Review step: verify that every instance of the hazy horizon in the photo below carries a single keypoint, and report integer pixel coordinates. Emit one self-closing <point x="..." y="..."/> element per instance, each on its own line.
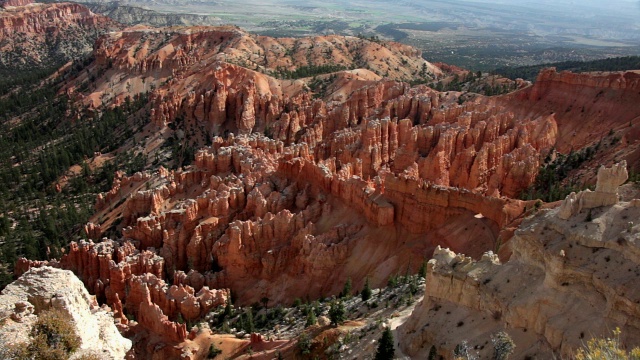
<point x="474" y="33"/>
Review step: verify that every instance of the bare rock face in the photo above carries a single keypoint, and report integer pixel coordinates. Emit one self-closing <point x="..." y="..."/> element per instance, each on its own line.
<point x="609" y="179"/>
<point x="567" y="281"/>
<point x="42" y="34"/>
<point x="578" y="103"/>
<point x="259" y="214"/>
<point x="43" y="288"/>
<point x="233" y="45"/>
<point x="12" y="3"/>
<point x="121" y="184"/>
<point x="152" y="317"/>
<point x="629" y="80"/>
<point x="127" y="279"/>
<point x="291" y="193"/>
<point x="606" y="193"/>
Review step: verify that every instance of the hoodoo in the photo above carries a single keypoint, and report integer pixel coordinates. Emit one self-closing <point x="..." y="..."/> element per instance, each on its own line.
<point x="236" y="174"/>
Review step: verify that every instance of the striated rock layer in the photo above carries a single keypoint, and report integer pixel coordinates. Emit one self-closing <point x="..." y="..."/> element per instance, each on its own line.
<point x="389" y="167"/>
<point x="586" y="106"/>
<point x="43" y="35"/>
<point x="256" y="216"/>
<point x="292" y="192"/>
<point x="10" y="3"/>
<point x="568" y="280"/>
<point x="130" y="280"/>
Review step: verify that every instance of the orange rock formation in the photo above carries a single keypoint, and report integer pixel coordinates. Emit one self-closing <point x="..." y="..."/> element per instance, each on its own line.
<point x="9" y="3"/>
<point x="121" y="274"/>
<point x="295" y="194"/>
<point x="26" y="32"/>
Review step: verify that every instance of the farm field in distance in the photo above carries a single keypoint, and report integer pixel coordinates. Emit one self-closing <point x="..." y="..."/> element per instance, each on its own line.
<point x="480" y="35"/>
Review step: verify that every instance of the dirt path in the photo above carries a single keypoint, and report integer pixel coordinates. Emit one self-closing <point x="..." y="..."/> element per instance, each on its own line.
<point x="397" y="321"/>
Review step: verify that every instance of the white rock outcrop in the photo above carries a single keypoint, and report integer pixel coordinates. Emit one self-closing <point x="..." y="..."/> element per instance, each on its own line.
<point x="43" y="288"/>
<point x="567" y="281"/>
<point x="606" y="193"/>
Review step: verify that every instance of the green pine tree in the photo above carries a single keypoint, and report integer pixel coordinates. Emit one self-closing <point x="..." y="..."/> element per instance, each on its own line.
<point x="228" y="311"/>
<point x="433" y="353"/>
<point x="248" y="323"/>
<point x="311" y="318"/>
<point x="346" y="290"/>
<point x="392" y="282"/>
<point x="304" y="344"/>
<point x="423" y="270"/>
<point x="366" y="291"/>
<point x="337" y="313"/>
<point x="385" y="346"/>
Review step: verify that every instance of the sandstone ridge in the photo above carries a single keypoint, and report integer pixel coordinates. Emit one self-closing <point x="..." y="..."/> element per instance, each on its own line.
<point x="567" y="280"/>
<point x="13" y="3"/>
<point x="298" y="183"/>
<point x="44" y="35"/>
<point x="292" y="192"/>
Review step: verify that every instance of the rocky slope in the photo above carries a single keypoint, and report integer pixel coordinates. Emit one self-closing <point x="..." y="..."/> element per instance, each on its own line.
<point x="573" y="275"/>
<point x="132" y="15"/>
<point x="293" y="190"/>
<point x="41" y="289"/>
<point x="168" y="60"/>
<point x="600" y="102"/>
<point x="114" y="273"/>
<point x="7" y="4"/>
<point x="44" y="35"/>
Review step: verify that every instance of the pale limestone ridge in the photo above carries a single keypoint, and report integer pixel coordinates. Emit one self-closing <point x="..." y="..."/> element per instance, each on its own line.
<point x="606" y="193"/>
<point x="566" y="282"/>
<point x="46" y="287"/>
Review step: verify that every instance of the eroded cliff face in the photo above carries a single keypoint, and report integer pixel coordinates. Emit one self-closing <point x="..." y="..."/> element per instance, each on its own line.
<point x="267" y="210"/>
<point x="12" y="3"/>
<point x="131" y="280"/>
<point x="274" y="217"/>
<point x="160" y="48"/>
<point x="43" y="35"/>
<point x="271" y="220"/>
<point x="216" y="78"/>
<point x="601" y="102"/>
<point x="569" y="279"/>
<point x="289" y="195"/>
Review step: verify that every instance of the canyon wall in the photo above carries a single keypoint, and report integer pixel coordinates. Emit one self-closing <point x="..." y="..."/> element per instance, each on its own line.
<point x="45" y="35"/>
<point x="569" y="279"/>
<point x="126" y="278"/>
<point x="599" y="102"/>
<point x="291" y="193"/>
